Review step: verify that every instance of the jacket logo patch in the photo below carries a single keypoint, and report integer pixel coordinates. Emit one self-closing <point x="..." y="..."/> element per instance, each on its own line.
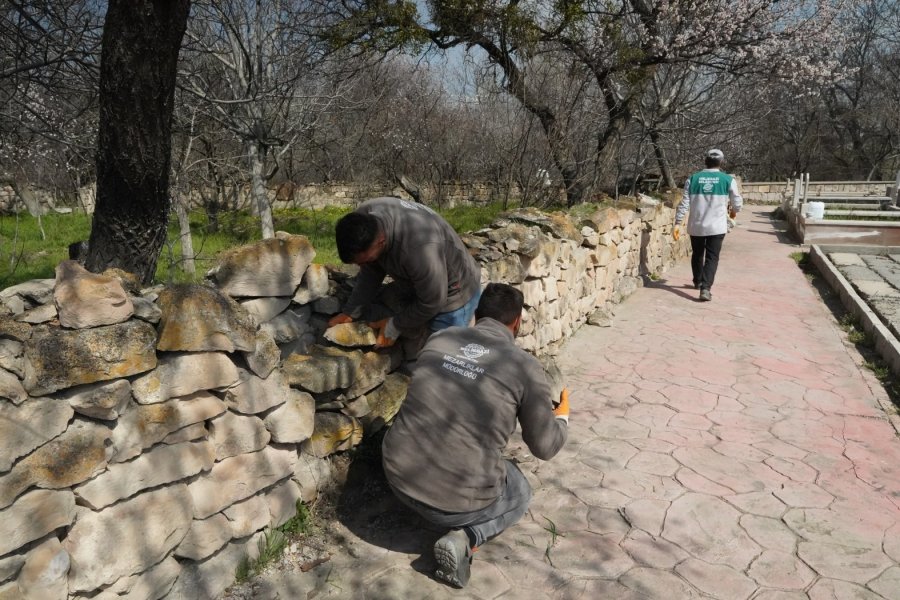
<point x="708" y="187"/>
<point x="474" y="351"/>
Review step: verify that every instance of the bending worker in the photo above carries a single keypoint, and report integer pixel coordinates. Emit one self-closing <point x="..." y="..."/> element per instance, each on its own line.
<point x="440" y="280"/>
<point x="442" y="455"/>
<point x="711" y="196"/>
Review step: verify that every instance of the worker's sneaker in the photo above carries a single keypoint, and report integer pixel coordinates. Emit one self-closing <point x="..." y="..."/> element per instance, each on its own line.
<point x="705" y="295"/>
<point x="454" y="558"/>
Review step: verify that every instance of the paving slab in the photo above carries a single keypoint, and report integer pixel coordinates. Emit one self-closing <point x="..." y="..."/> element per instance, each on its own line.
<point x="728" y="449"/>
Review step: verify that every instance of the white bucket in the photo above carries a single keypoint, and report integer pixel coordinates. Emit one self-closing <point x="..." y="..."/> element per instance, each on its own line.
<point x="815" y="210"/>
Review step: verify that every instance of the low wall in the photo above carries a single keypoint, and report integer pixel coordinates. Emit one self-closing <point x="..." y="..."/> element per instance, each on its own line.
<point x="775" y="192"/>
<point x="148" y="438"/>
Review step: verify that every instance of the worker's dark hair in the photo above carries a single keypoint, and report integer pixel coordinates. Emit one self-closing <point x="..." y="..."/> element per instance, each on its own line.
<point x="501" y="302"/>
<point x="354" y="233"/>
<point x="712" y="162"/>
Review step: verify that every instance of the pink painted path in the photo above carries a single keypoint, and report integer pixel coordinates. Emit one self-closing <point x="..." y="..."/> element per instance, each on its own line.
<point x="734" y="449"/>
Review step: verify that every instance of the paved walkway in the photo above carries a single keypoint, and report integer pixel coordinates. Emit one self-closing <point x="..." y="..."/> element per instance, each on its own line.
<point x="733" y="449"/>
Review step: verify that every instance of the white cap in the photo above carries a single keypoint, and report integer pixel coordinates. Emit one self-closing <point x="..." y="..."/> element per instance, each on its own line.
<point x="715" y="153"/>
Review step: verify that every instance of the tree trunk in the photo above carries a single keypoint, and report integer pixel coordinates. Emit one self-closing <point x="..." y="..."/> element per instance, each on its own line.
<point x="256" y="156"/>
<point x="664" y="170"/>
<point x="141" y="40"/>
<point x="184" y="236"/>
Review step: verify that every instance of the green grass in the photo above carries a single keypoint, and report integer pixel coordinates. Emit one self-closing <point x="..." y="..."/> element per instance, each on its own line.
<point x="274" y="541"/>
<point x="25" y="255"/>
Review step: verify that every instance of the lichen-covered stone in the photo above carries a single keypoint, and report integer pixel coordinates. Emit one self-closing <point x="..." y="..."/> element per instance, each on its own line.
<point x="183" y="373"/>
<point x="351" y="335"/>
<point x="372" y="369"/>
<point x="265" y="355"/>
<point x="56" y="358"/>
<point x="26" y="427"/>
<point x="272" y="267"/>
<point x="199" y="318"/>
<point x="323" y="370"/>
<point x="72" y="457"/>
<point x="384" y="401"/>
<point x="333" y="432"/>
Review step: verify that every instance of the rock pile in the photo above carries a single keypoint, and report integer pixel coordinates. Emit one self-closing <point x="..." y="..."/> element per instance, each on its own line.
<point x="148" y="437"/>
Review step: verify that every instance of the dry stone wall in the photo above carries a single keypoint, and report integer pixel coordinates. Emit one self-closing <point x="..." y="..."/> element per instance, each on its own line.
<point x="149" y="437"/>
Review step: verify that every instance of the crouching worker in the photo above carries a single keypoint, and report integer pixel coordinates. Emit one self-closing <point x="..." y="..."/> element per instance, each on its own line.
<point x="442" y="456"/>
<point x="436" y="279"/>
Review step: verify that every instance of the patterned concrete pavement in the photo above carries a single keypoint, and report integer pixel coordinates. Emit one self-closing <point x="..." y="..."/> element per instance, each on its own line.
<point x="734" y="449"/>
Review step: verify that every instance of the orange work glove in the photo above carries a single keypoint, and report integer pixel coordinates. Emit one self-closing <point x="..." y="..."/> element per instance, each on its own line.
<point x="562" y="409"/>
<point x="732" y="213"/>
<point x="339" y="319"/>
<point x="676" y="233"/>
<point x="386" y="333"/>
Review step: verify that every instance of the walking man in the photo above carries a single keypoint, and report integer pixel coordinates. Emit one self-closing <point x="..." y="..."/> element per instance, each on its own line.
<point x="442" y="456"/>
<point x="712" y="197"/>
<point x="439" y="280"/>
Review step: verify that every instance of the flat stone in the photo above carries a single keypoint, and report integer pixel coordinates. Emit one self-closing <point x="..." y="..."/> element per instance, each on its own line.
<point x="212" y="576"/>
<point x="103" y="400"/>
<point x="15" y="330"/>
<point x="658" y="583"/>
<point x="605" y="456"/>
<point x="198" y="318"/>
<point x="187" y="434"/>
<point x="804" y="495"/>
<point x="265" y="355"/>
<point x="12" y="356"/>
<point x="857" y="565"/>
<point x="66" y="460"/>
<point x="569" y="551"/>
<point x="11" y="388"/>
<point x="333" y="432"/>
<point x="34" y="515"/>
<point x="290" y="325"/>
<point x="293" y="421"/>
<point x="43" y="577"/>
<point x="769" y="533"/>
<point x="232" y="434"/>
<point x="647" y="514"/>
<point x="653" y="463"/>
<point x="385" y="401"/>
<point x="253" y="394"/>
<point x="888" y="583"/>
<point x="832" y="589"/>
<point x="263" y="309"/>
<point x="311" y="473"/>
<point x="26" y="427"/>
<point x="271" y="267"/>
<point x="653" y="551"/>
<point x="146" y="309"/>
<point x="315" y="284"/>
<point x="84" y="299"/>
<point x="205" y="537"/>
<point x="719" y="581"/>
<point x="323" y="370"/>
<point x="351" y="335"/>
<point x="10" y="565"/>
<point x="248" y="516"/>
<point x="145" y="425"/>
<point x="758" y="503"/>
<point x="159" y="519"/>
<point x="854" y="529"/>
<point x="56" y="359"/>
<point x="183" y="373"/>
<point x="237" y="478"/>
<point x="371" y="372"/>
<point x="708" y="528"/>
<point x="160" y="465"/>
<point x="282" y="502"/>
<point x="152" y="583"/>
<point x="782" y="570"/>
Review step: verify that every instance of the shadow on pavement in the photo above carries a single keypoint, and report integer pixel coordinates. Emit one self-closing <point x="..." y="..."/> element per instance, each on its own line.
<point x="663" y="284"/>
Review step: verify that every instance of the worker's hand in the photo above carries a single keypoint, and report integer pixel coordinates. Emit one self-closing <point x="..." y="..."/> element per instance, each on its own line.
<point x="561" y="410"/>
<point x="732" y="213"/>
<point x="676" y="233"/>
<point x="386" y="333"/>
<point x="339" y="319"/>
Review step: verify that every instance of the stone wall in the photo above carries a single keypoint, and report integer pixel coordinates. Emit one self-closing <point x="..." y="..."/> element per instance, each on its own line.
<point x="775" y="192"/>
<point x="148" y="438"/>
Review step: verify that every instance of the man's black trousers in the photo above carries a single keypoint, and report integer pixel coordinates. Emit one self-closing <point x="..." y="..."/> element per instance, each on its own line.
<point x="705" y="258"/>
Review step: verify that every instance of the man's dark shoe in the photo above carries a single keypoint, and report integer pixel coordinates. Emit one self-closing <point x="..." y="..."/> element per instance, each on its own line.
<point x="705" y="295"/>
<point x="454" y="558"/>
<point x="696" y="285"/>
